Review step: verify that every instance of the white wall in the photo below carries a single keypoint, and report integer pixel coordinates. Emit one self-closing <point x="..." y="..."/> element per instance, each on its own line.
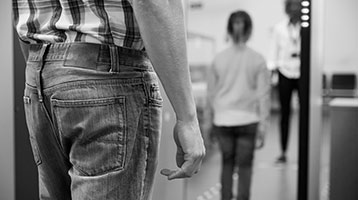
<point x="341" y="36"/>
<point x="315" y="101"/>
<point x="340" y="29"/>
<point x="211" y="20"/>
<point x="6" y="104"/>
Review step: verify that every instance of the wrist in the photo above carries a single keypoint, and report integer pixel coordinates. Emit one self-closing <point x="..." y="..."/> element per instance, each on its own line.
<point x="262" y="126"/>
<point x="187" y="117"/>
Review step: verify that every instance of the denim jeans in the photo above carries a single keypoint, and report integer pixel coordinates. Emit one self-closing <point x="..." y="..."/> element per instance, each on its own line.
<point x="237" y="144"/>
<point x="94" y="118"/>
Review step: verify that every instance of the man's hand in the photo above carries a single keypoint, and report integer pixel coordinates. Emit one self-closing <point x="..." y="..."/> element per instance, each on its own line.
<point x="190" y="150"/>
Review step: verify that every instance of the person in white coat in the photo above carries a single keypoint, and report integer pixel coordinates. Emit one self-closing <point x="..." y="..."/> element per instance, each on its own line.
<point x="285" y="62"/>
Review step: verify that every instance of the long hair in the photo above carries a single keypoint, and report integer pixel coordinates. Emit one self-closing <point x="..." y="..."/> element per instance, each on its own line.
<point x="247" y="23"/>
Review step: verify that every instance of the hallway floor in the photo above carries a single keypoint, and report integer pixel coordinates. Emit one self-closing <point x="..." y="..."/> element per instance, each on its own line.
<point x="271" y="181"/>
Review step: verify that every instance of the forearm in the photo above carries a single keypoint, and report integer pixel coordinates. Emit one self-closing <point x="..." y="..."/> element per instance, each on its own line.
<point x="162" y="28"/>
<point x="210" y="93"/>
<point x="265" y="105"/>
<point x="264" y="97"/>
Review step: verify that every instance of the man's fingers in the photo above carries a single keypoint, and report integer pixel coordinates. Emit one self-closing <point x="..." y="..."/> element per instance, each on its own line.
<point x="167" y="172"/>
<point x="188" y="169"/>
<point x="174" y="174"/>
<point x="178" y="174"/>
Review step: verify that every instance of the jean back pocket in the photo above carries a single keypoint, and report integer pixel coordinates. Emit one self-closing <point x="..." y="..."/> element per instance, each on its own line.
<point x="94" y="131"/>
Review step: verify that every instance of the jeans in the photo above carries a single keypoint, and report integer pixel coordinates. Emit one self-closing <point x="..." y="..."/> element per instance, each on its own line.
<point x="94" y="118"/>
<point x="237" y="145"/>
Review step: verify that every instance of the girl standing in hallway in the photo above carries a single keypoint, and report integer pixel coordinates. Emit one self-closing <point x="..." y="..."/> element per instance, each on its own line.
<point x="238" y="99"/>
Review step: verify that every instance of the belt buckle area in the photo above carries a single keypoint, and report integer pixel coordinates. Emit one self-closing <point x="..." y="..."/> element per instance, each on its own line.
<point x="82" y="56"/>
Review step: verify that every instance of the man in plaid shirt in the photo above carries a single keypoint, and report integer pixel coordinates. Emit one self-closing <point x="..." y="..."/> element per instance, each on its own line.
<point x="92" y="101"/>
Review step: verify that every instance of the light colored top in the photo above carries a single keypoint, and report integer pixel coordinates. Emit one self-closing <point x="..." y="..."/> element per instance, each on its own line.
<point x="285" y="49"/>
<point x="239" y="87"/>
<point x="94" y="21"/>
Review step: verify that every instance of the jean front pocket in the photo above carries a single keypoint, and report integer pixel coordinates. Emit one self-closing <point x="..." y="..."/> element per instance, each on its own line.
<point x="94" y="131"/>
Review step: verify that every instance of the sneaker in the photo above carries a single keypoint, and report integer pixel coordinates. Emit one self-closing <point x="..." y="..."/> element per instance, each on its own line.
<point x="281" y="160"/>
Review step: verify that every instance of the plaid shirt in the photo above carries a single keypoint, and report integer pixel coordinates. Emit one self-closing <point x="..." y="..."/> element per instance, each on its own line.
<point x="95" y="21"/>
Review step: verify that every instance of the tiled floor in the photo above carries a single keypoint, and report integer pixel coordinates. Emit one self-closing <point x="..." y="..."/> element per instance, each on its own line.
<point x="270" y="181"/>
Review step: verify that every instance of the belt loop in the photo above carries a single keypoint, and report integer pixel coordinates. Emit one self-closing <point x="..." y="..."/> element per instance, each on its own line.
<point x="114" y="58"/>
<point x="41" y="57"/>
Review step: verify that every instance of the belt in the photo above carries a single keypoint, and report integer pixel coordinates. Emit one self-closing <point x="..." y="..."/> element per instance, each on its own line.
<point x="76" y="54"/>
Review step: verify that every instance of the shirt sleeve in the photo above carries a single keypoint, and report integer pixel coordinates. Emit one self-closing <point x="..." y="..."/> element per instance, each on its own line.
<point x="272" y="63"/>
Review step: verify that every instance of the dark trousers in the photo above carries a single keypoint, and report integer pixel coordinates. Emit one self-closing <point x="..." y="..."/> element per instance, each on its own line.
<point x="286" y="87"/>
<point x="237" y="144"/>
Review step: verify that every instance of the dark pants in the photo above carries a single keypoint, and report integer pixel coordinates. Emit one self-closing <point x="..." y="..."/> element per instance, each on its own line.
<point x="286" y="87"/>
<point x="237" y="144"/>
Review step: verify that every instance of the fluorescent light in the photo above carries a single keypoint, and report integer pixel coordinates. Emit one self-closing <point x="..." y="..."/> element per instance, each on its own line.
<point x="305" y="10"/>
<point x="305" y="17"/>
<point x="305" y="3"/>
<point x="305" y="24"/>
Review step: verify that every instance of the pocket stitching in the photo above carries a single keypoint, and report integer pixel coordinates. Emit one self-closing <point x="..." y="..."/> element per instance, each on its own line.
<point x="121" y="146"/>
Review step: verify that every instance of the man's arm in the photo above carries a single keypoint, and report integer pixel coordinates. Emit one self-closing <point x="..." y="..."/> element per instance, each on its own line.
<point x="264" y="89"/>
<point x="161" y="23"/>
<point x="210" y="95"/>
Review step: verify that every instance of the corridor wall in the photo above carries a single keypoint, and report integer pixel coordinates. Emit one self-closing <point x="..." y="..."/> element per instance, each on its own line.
<point x="6" y="105"/>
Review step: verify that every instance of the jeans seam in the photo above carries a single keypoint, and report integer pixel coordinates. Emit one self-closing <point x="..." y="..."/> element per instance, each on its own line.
<point x="125" y="134"/>
<point x="36" y="152"/>
<point x="147" y="145"/>
<point x="146" y="119"/>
